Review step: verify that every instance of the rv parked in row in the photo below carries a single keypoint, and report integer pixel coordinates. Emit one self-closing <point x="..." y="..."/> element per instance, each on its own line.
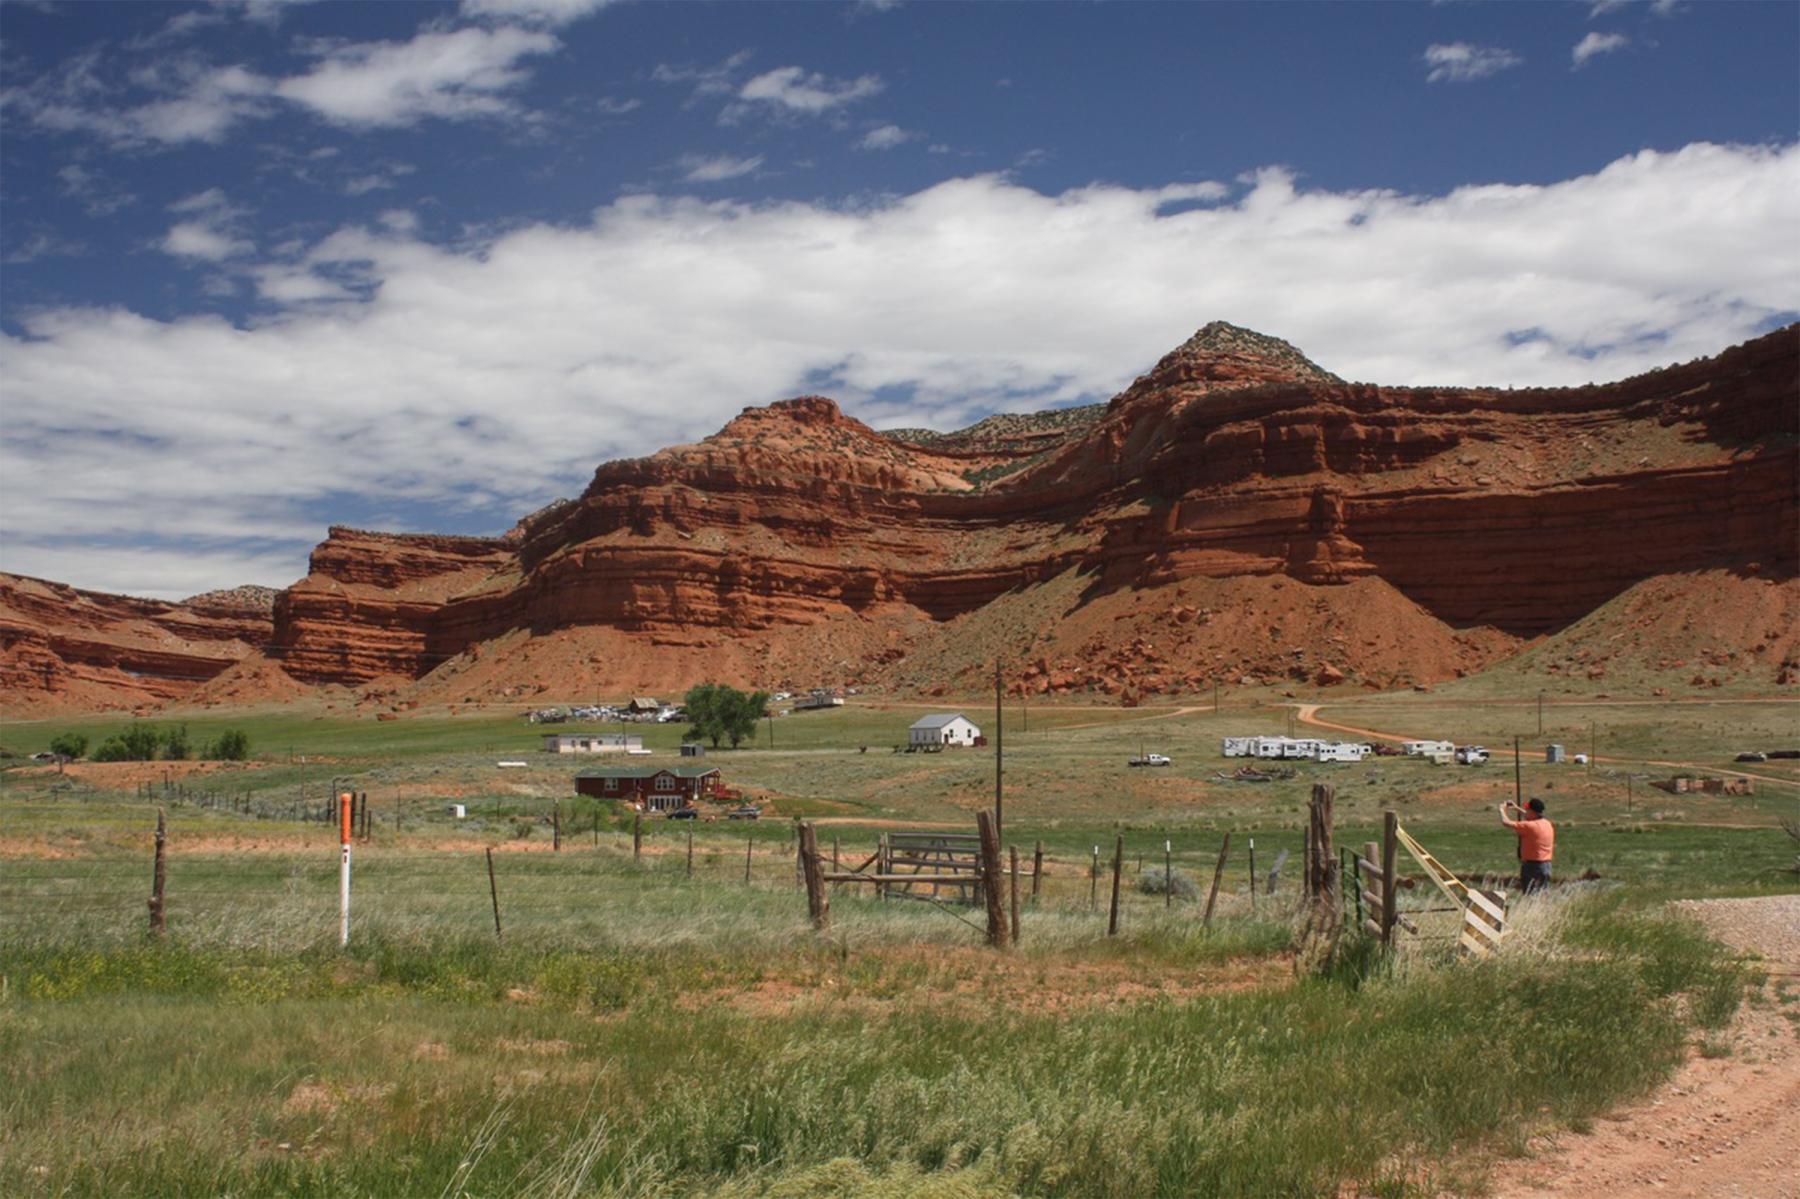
<point x="1294" y="748"/>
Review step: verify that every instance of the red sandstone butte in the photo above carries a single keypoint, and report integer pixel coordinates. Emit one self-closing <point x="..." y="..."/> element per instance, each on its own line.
<point x="1237" y="512"/>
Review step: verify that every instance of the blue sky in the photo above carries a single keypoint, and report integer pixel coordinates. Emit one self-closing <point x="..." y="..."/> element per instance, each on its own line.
<point x="271" y="266"/>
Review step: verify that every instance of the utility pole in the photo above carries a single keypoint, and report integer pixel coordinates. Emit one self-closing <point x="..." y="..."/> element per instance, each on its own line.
<point x="999" y="759"/>
<point x="771" y="718"/>
<point x="1540" y="711"/>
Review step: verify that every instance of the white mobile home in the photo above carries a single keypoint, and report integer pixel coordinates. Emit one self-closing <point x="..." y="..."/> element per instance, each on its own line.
<point x="1267" y="747"/>
<point x="1425" y="749"/>
<point x="592" y="743"/>
<point x="1237" y="747"/>
<point x="948" y="728"/>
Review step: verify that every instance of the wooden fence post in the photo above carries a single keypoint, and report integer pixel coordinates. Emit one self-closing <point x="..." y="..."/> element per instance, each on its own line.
<point x="637" y="837"/>
<point x="1369" y="867"/>
<point x="749" y="840"/>
<point x="1390" y="846"/>
<point x="1168" y="875"/>
<point x="1321" y="863"/>
<point x="1112" y="914"/>
<point x="1037" y="870"/>
<point x="493" y="892"/>
<point x="1013" y="890"/>
<point x="1218" y="873"/>
<point x="990" y="879"/>
<point x="1253" y="876"/>
<point x="158" y="921"/>
<point x="690" y="864"/>
<point x="818" y="904"/>
<point x="556" y="825"/>
<point x="1094" y="881"/>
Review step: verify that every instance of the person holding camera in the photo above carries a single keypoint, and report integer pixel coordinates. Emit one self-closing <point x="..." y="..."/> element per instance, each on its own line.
<point x="1537" y="842"/>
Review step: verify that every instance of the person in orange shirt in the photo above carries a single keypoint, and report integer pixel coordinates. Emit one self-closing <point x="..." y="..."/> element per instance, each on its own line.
<point x="1537" y="842"/>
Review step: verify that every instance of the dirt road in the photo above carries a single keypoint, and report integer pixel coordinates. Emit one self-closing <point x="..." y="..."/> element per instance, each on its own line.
<point x="1725" y="1127"/>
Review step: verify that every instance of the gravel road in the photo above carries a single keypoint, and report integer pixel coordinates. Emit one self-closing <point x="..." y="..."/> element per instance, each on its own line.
<point x="1769" y="925"/>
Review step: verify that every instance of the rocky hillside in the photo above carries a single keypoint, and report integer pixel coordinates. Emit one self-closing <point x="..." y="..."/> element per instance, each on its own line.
<point x="1238" y="512"/>
<point x="64" y="649"/>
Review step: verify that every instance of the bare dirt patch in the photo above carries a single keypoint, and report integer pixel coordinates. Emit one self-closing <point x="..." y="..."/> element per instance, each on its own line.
<point x="1726" y="1125"/>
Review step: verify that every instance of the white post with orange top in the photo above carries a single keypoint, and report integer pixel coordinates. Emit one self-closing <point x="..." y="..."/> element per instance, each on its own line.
<point x="344" y="870"/>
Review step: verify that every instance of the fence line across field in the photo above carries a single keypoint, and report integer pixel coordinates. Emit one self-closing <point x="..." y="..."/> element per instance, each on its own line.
<point x="559" y="883"/>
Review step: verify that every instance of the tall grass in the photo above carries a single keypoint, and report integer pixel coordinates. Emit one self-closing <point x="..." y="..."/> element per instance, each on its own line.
<point x="553" y="1064"/>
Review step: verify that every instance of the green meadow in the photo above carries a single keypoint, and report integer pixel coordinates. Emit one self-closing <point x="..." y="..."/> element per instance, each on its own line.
<point x="656" y="1016"/>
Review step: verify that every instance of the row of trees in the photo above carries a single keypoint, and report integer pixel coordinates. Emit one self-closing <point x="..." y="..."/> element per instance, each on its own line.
<point x="720" y="713"/>
<point x="147" y="743"/>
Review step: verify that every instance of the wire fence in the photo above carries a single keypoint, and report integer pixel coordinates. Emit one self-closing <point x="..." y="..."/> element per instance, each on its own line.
<point x="660" y="887"/>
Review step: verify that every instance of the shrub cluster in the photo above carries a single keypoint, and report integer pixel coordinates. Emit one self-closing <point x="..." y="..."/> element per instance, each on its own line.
<point x="147" y="743"/>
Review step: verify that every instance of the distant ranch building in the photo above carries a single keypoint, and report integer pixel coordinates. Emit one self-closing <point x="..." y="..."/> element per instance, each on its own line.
<point x="661" y="789"/>
<point x="592" y="743"/>
<point x="951" y="728"/>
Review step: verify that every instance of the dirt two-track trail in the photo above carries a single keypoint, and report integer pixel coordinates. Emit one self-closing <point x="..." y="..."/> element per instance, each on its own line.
<point x="1725" y="1127"/>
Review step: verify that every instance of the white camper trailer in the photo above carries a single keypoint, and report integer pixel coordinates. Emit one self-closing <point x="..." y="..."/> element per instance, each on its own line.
<point x="1268" y="747"/>
<point x="1425" y="749"/>
<point x="1301" y="747"/>
<point x="1237" y="747"/>
<point x="1341" y="751"/>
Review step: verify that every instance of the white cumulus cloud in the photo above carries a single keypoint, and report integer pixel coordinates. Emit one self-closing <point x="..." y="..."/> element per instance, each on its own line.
<point x="795" y="91"/>
<point x="453" y="74"/>
<point x="469" y="383"/>
<point x="1596" y="44"/>
<point x="884" y="137"/>
<point x="698" y="168"/>
<point x="1464" y="62"/>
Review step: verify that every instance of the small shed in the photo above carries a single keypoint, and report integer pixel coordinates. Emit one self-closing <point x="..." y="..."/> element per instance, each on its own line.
<point x="661" y="789"/>
<point x="644" y="705"/>
<point x="945" y="728"/>
<point x="1553" y="753"/>
<point x="692" y="749"/>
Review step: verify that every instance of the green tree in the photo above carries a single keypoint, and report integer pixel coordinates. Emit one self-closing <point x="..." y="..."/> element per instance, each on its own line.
<point x="140" y="742"/>
<point x="112" y="750"/>
<point x="741" y="714"/>
<point x="69" y="745"/>
<point x="720" y="713"/>
<point x="703" y="709"/>
<point x="175" y="744"/>
<point x="232" y="745"/>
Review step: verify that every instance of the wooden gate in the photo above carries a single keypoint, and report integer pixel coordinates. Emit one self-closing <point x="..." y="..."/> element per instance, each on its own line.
<point x="949" y="865"/>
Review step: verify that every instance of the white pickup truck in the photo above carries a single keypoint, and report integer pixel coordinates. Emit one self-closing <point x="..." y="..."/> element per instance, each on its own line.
<point x="1471" y="755"/>
<point x="1149" y="760"/>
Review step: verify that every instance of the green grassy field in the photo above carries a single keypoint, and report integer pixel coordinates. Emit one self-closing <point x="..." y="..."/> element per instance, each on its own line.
<point x="640" y="1028"/>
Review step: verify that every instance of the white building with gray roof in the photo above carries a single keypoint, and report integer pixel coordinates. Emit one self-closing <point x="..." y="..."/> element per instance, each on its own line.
<point x="944" y="728"/>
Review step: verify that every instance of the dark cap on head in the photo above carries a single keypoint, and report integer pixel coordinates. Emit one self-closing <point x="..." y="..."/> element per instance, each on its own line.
<point x="1536" y="805"/>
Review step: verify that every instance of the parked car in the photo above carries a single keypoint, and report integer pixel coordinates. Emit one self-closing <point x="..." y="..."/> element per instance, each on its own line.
<point x="685" y="814"/>
<point x="1149" y="760"/>
<point x="747" y="812"/>
<point x="1384" y="750"/>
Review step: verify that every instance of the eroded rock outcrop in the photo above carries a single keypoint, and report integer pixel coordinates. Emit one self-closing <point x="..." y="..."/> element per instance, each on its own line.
<point x="65" y="649"/>
<point x="1313" y="529"/>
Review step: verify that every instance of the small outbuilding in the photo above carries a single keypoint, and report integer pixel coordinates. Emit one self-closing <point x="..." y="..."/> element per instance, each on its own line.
<point x="661" y="789"/>
<point x="644" y="705"/>
<point x="945" y="728"/>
